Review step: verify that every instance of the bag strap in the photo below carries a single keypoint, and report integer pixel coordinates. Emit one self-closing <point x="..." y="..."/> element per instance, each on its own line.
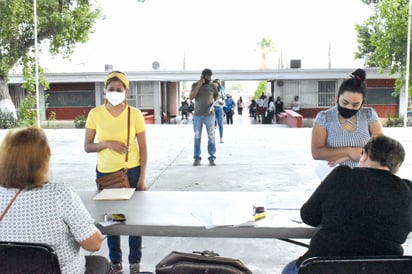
<point x="10" y="203"/>
<point x="128" y="133"/>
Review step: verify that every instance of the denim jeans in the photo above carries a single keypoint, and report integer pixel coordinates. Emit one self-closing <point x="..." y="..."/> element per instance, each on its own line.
<point x="291" y="268"/>
<point x="135" y="242"/>
<point x="209" y="122"/>
<point x="219" y="120"/>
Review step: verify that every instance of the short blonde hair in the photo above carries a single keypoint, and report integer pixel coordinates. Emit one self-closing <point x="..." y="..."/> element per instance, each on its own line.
<point x="24" y="158"/>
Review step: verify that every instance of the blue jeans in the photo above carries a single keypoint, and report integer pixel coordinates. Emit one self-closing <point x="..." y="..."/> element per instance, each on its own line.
<point x="291" y="268"/>
<point x="209" y="122"/>
<point x="219" y="120"/>
<point x="135" y="242"/>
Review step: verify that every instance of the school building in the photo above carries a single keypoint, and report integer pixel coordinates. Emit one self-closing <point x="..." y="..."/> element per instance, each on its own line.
<point x="159" y="93"/>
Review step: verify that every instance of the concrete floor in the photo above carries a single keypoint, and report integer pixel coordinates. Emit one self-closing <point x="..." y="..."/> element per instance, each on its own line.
<point x="253" y="158"/>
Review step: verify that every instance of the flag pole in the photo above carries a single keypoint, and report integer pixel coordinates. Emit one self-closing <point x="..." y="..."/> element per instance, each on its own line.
<point x="408" y="57"/>
<point x="36" y="62"/>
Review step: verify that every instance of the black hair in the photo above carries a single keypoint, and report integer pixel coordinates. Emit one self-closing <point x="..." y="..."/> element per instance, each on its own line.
<point x="207" y="72"/>
<point x="355" y="83"/>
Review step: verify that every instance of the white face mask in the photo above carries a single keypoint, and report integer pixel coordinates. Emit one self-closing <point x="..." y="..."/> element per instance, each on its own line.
<point x="115" y="98"/>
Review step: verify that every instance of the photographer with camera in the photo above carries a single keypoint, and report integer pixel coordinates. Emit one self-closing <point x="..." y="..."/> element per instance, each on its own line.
<point x="204" y="92"/>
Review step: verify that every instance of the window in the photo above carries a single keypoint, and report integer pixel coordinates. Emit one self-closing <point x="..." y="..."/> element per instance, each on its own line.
<point x="326" y="93"/>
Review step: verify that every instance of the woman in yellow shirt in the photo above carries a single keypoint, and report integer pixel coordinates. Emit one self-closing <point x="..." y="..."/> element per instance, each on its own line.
<point x="108" y="123"/>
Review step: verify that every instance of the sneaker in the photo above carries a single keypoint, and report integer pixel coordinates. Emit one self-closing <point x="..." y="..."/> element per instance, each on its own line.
<point x="134" y="268"/>
<point x="116" y="268"/>
<point x="221" y="141"/>
<point x="212" y="162"/>
<point x="196" y="162"/>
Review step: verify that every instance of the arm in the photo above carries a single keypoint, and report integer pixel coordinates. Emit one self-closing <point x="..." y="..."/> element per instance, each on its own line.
<point x="196" y="89"/>
<point x="141" y="139"/>
<point x="311" y="211"/>
<point x="92" y="243"/>
<point x="320" y="151"/>
<point x="376" y="128"/>
<point x="91" y="146"/>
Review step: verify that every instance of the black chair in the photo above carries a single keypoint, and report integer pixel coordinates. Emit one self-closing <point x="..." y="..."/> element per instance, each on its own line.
<point x="18" y="258"/>
<point x="355" y="265"/>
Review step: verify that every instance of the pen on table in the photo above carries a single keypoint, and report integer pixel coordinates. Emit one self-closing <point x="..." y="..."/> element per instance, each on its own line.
<point x="105" y="217"/>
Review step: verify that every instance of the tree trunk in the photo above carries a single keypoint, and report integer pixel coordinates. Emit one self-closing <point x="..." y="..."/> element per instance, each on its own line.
<point x="6" y="104"/>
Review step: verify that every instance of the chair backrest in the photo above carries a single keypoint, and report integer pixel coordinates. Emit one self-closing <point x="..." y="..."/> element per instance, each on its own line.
<point x="355" y="265"/>
<point x="17" y="258"/>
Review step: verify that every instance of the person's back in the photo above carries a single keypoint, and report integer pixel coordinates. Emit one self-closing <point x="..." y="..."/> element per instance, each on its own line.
<point x="361" y="211"/>
<point x="34" y="210"/>
<point x="369" y="214"/>
<point x="42" y="216"/>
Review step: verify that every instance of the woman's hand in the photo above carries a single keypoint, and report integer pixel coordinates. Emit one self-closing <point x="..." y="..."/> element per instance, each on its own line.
<point x="354" y="154"/>
<point x="141" y="186"/>
<point x="117" y="146"/>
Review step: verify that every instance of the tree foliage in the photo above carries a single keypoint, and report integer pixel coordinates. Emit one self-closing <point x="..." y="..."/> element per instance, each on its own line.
<point x="261" y="89"/>
<point x="266" y="47"/>
<point x="382" y="38"/>
<point x="61" y="24"/>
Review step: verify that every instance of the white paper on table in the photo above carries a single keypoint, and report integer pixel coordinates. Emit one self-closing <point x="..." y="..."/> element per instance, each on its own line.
<point x="232" y="216"/>
<point x="285" y="202"/>
<point x="108" y="223"/>
<point x="204" y="218"/>
<point x="323" y="169"/>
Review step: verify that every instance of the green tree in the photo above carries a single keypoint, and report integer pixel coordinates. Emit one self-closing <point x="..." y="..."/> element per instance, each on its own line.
<point x="261" y="89"/>
<point x="266" y="47"/>
<point x="61" y="24"/>
<point x="382" y="38"/>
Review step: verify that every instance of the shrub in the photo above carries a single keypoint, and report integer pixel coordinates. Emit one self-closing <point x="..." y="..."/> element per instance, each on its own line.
<point x="51" y="121"/>
<point x="394" y="121"/>
<point x="7" y="120"/>
<point x="27" y="110"/>
<point x="80" y="121"/>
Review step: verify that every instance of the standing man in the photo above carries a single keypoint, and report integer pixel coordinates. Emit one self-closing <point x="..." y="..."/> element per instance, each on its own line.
<point x="205" y="93"/>
<point x="278" y="108"/>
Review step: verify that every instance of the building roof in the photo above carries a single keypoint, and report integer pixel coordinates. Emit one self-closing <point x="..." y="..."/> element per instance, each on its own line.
<point x="226" y="75"/>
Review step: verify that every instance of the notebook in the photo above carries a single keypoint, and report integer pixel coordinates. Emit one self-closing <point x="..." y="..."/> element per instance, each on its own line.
<point x="114" y="194"/>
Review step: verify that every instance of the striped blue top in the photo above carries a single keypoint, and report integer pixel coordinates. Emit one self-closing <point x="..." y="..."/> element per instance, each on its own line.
<point x="338" y="137"/>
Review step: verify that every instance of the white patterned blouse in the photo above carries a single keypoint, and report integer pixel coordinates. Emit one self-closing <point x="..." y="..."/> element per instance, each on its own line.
<point x="52" y="214"/>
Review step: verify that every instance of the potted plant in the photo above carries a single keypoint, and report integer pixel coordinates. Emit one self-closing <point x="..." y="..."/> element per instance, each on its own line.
<point x="80" y="121"/>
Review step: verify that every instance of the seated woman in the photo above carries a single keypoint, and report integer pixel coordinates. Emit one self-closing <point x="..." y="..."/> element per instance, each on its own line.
<point x="41" y="211"/>
<point x="361" y="211"/>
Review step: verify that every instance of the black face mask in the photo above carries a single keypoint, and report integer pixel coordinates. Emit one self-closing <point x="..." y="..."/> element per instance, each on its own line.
<point x="346" y="112"/>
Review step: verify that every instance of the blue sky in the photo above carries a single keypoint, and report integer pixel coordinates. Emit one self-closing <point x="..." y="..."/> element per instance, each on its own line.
<point x="220" y="34"/>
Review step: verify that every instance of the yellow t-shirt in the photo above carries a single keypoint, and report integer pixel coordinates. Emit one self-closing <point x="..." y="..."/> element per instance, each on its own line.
<point x="110" y="128"/>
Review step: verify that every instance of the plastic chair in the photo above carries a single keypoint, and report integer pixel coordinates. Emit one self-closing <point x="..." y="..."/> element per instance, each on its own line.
<point x="355" y="265"/>
<point x="17" y="258"/>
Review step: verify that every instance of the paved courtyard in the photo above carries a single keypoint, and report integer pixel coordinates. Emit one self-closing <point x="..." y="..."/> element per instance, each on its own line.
<point x="253" y="158"/>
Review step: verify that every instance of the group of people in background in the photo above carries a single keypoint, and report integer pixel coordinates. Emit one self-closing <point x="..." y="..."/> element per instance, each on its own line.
<point x="266" y="110"/>
<point x="361" y="208"/>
